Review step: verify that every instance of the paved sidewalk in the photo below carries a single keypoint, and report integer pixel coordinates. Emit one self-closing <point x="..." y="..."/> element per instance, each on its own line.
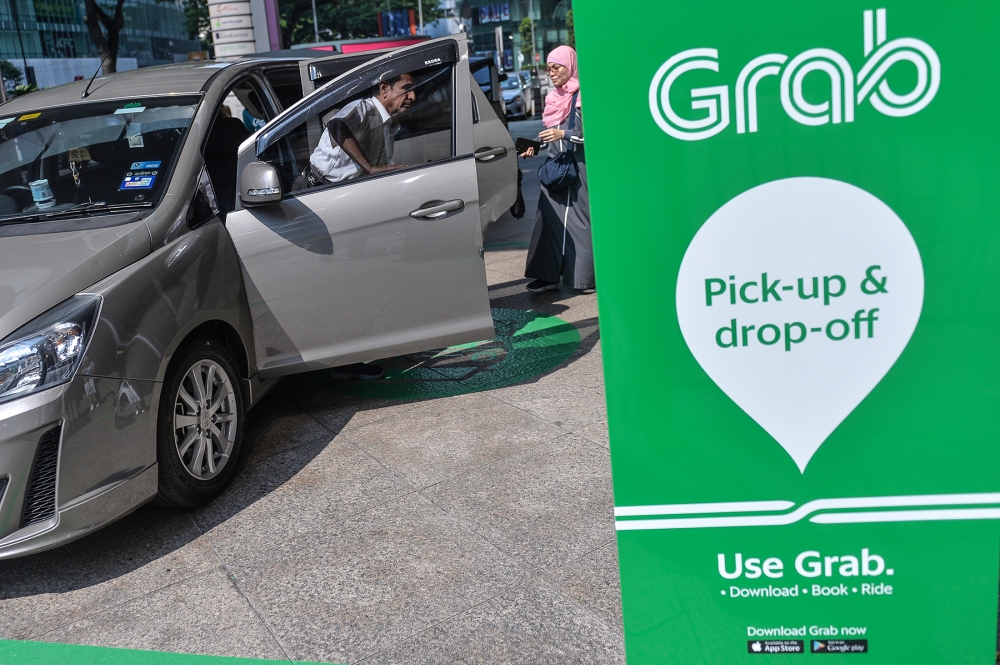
<point x="470" y="528"/>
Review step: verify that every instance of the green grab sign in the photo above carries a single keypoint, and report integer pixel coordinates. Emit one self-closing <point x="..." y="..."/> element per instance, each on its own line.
<point x="797" y="205"/>
<point x="45" y="653"/>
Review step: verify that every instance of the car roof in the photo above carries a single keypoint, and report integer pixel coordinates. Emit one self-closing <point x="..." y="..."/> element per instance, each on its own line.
<point x="179" y="79"/>
<point x="290" y="54"/>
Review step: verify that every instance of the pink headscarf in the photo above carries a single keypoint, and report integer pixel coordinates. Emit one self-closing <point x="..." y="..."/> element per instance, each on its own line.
<point x="559" y="99"/>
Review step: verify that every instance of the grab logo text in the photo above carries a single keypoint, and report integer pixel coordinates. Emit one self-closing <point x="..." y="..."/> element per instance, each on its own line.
<point x="847" y="89"/>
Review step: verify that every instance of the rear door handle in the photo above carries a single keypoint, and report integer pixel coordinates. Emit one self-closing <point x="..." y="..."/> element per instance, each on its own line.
<point x="489" y="153"/>
<point x="437" y="210"/>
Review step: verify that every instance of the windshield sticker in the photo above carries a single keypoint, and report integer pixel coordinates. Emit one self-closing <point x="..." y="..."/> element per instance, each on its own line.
<point x="137" y="182"/>
<point x="79" y="155"/>
<point x="28" y="116"/>
<point x="133" y="132"/>
<point x="133" y="107"/>
<point x="6" y="121"/>
<point x="138" y="166"/>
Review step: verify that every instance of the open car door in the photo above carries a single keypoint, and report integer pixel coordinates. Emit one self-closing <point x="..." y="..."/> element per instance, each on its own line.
<point x="344" y="265"/>
<point x="496" y="161"/>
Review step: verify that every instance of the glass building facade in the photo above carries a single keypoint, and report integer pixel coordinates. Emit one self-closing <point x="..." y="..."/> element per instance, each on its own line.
<point x="154" y="32"/>
<point x="483" y="17"/>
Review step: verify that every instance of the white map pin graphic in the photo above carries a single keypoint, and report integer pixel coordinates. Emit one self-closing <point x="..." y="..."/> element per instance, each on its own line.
<point x="789" y="372"/>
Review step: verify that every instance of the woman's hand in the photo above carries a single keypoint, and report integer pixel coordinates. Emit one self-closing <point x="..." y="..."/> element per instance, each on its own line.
<point x="530" y="152"/>
<point x="550" y="135"/>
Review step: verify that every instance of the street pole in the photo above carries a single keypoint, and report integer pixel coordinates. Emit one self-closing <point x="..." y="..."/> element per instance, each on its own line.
<point x="16" y="15"/>
<point x="498" y="38"/>
<point x="3" y="90"/>
<point x="315" y="24"/>
<point x="534" y="55"/>
<point x="420" y="11"/>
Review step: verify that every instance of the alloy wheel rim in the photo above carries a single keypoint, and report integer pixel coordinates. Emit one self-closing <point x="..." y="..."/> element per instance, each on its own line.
<point x="205" y="420"/>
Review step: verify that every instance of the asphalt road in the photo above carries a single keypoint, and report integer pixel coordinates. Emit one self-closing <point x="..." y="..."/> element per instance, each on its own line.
<point x="461" y="512"/>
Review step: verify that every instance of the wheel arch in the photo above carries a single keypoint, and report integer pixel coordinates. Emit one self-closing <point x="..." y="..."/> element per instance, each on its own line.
<point x="225" y="333"/>
<point x="193" y="286"/>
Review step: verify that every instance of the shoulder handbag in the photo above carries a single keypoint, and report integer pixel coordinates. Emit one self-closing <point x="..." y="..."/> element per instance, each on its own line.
<point x="518" y="209"/>
<point x="558" y="173"/>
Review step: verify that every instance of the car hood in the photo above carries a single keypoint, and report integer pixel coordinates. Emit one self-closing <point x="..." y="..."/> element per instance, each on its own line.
<point x="40" y="268"/>
<point x="510" y="94"/>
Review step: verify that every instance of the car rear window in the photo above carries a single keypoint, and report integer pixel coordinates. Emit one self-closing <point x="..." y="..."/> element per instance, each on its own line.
<point x="120" y="152"/>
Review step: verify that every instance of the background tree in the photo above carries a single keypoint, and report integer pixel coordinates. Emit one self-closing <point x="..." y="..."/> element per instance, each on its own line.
<point x="343" y="19"/>
<point x="11" y="73"/>
<point x="105" y="29"/>
<point x="524" y="30"/>
<point x="23" y="89"/>
<point x="196" y="21"/>
<point x="106" y="40"/>
<point x="571" y="38"/>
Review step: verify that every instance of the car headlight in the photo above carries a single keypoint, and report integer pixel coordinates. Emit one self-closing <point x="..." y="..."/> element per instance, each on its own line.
<point x="517" y="98"/>
<point x="47" y="351"/>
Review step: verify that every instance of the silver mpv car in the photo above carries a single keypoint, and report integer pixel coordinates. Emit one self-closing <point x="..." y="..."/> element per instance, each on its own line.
<point x="167" y="252"/>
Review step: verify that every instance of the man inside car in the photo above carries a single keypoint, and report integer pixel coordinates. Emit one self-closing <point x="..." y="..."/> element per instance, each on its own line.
<point x="359" y="138"/>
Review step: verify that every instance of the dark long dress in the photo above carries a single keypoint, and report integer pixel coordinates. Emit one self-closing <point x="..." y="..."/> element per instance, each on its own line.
<point x="561" y="248"/>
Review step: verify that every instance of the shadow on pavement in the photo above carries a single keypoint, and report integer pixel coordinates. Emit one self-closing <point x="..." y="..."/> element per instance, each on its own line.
<point x="305" y="412"/>
<point x="150" y="533"/>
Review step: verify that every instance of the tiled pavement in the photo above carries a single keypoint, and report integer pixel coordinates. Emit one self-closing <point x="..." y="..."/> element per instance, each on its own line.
<point x="469" y="529"/>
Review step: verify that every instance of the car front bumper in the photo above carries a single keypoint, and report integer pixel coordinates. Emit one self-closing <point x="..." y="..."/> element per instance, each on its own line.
<point x="74" y="457"/>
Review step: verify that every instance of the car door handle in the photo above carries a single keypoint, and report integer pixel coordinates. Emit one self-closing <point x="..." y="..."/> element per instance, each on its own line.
<point x="490" y="153"/>
<point x="435" y="210"/>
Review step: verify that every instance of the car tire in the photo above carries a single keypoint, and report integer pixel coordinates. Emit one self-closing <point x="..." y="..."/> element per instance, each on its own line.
<point x="199" y="429"/>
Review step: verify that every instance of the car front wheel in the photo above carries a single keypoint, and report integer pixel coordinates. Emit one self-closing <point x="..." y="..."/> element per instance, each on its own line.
<point x="200" y="425"/>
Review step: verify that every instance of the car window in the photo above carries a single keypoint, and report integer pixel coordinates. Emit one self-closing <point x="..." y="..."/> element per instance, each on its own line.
<point x="94" y="152"/>
<point x="405" y="120"/>
<point x="286" y="83"/>
<point x="242" y="113"/>
<point x="485" y="80"/>
<point x="512" y="83"/>
<point x="244" y="103"/>
<point x="482" y="76"/>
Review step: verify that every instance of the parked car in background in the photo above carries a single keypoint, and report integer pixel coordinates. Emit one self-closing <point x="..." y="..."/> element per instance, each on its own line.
<point x="163" y="261"/>
<point x="516" y="97"/>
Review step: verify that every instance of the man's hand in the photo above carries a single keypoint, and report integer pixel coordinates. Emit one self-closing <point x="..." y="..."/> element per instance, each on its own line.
<point x="530" y="152"/>
<point x="375" y="170"/>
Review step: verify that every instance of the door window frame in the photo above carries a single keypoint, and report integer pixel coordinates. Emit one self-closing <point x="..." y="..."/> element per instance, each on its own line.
<point x="363" y="78"/>
<point x="423" y="59"/>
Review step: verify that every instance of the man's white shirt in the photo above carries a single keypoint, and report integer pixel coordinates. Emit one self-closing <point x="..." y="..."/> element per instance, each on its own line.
<point x="331" y="160"/>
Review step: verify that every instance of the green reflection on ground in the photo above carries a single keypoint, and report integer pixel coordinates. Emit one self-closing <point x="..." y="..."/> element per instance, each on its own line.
<point x="526" y="344"/>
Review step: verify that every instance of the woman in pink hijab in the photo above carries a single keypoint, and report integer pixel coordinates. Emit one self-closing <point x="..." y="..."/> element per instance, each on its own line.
<point x="561" y="251"/>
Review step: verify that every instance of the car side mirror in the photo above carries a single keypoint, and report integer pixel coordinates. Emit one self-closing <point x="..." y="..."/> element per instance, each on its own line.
<point x="259" y="184"/>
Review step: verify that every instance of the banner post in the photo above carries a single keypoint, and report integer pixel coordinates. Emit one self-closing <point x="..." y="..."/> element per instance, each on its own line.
<point x="797" y="235"/>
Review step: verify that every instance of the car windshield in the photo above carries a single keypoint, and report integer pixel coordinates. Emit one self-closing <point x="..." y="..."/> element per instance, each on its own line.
<point x="90" y="157"/>
<point x="511" y="84"/>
